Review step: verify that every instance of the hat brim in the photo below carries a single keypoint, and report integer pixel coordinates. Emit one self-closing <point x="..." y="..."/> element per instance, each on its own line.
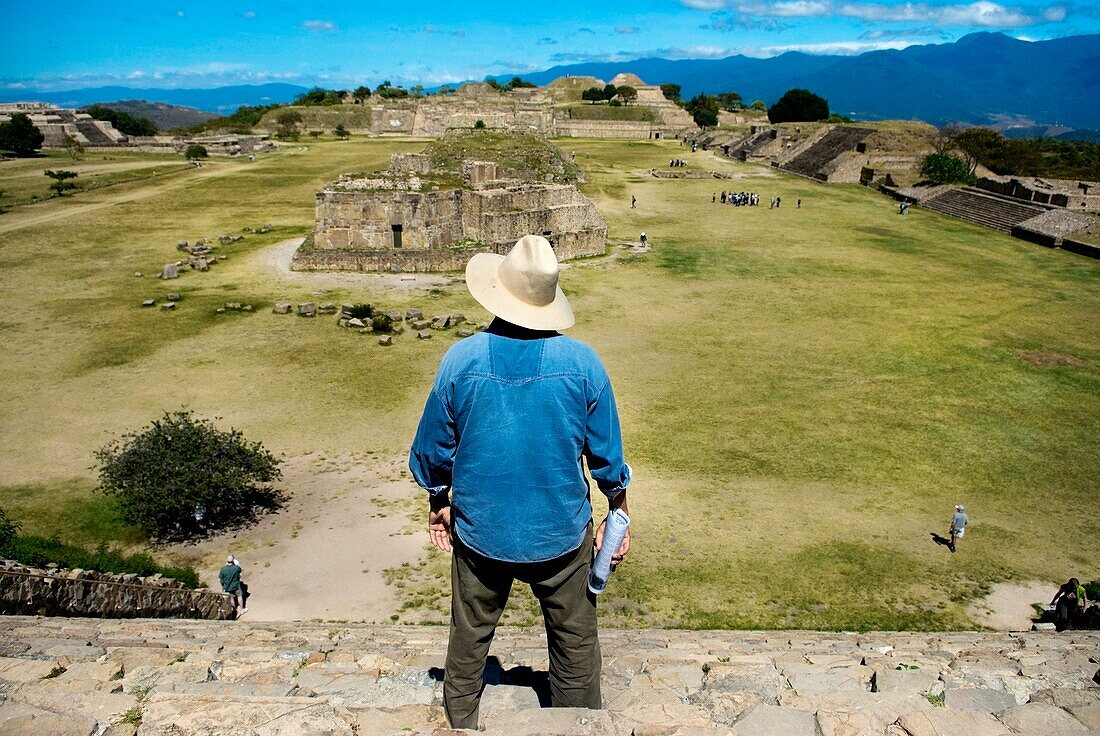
<point x="486" y="288"/>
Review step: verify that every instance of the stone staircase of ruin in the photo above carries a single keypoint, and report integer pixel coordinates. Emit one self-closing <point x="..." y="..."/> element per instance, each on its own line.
<point x="149" y="677"/>
<point x="812" y="160"/>
<point x="982" y="208"/>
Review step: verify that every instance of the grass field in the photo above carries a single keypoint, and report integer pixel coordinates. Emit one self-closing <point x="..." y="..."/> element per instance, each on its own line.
<point x="805" y="393"/>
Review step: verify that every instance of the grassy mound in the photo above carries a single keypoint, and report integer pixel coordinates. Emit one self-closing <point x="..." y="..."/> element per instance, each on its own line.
<point x="516" y="156"/>
<point x="638" y="113"/>
<point x="352" y="117"/>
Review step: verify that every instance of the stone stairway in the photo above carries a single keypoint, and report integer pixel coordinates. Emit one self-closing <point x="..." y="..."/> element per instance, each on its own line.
<point x="155" y="677"/>
<point x="811" y="161"/>
<point x="982" y="208"/>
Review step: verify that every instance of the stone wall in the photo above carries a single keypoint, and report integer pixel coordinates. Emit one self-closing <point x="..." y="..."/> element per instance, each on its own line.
<point x="566" y="128"/>
<point x="356" y="230"/>
<point x="26" y="590"/>
<point x="1073" y="195"/>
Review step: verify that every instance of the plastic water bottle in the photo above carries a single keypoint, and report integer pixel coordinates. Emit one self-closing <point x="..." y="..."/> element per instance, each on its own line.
<point x="613" y="532"/>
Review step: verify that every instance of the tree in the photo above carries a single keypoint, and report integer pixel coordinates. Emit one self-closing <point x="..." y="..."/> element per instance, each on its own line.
<point x="671" y="92"/>
<point x="61" y="183"/>
<point x="798" y="105"/>
<point x="315" y="134"/>
<point x="627" y="94"/>
<point x="945" y="168"/>
<point x="609" y="91"/>
<point x="20" y="136"/>
<point x="288" y="121"/>
<point x="195" y="151"/>
<point x="729" y="101"/>
<point x="759" y="105"/>
<point x="182" y="476"/>
<point x="592" y="94"/>
<point x="74" y="147"/>
<point x="123" y="122"/>
<point x="341" y="132"/>
<point x="703" y="109"/>
<point x="9" y="530"/>
<point x="517" y="83"/>
<point x="361" y="93"/>
<point x="479" y="124"/>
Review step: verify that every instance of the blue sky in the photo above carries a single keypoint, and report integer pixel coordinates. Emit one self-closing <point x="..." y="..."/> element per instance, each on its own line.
<point x="64" y="44"/>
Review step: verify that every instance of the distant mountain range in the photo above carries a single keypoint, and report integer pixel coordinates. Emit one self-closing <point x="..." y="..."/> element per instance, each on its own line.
<point x="983" y="78"/>
<point x="161" y="114"/>
<point x="220" y="100"/>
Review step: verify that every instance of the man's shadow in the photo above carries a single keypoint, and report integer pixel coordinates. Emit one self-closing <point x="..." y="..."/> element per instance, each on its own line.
<point x="941" y="540"/>
<point x="519" y="676"/>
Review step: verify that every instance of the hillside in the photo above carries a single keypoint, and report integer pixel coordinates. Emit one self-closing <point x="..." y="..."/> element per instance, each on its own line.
<point x="977" y="79"/>
<point x="165" y="117"/>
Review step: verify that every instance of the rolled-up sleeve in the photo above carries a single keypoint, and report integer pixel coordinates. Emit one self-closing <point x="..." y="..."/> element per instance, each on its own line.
<point x="432" y="457"/>
<point x="603" y="444"/>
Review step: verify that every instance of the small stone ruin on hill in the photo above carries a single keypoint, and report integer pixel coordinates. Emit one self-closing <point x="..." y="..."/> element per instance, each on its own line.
<point x="463" y="195"/>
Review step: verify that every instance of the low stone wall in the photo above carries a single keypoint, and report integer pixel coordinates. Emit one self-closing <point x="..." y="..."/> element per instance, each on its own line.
<point x="606" y="129"/>
<point x="31" y="591"/>
<point x="385" y="261"/>
<point x="1051" y="227"/>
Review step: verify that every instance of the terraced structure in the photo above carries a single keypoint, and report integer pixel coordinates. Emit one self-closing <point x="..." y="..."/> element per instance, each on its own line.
<point x="81" y="677"/>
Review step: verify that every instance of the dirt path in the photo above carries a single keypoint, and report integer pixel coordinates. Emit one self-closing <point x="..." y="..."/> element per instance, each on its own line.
<point x="1009" y="606"/>
<point x="60" y="211"/>
<point x="323" y="556"/>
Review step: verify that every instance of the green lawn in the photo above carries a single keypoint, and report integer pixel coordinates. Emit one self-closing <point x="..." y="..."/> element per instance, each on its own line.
<point x="805" y="393"/>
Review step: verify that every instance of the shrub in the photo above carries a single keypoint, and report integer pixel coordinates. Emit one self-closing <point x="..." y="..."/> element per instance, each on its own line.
<point x="1092" y="590"/>
<point x="361" y="311"/>
<point x="9" y="530"/>
<point x="340" y="132"/>
<point x="61" y="183"/>
<point x="479" y="124"/>
<point x="182" y="476"/>
<point x="195" y="151"/>
<point x="40" y="551"/>
<point x="382" y="323"/>
<point x="945" y="168"/>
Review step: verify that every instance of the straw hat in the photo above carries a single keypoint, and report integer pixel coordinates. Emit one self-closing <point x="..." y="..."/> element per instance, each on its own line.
<point x="521" y="287"/>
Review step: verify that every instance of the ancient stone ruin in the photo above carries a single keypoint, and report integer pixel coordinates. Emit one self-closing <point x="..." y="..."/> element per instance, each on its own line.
<point x="434" y="210"/>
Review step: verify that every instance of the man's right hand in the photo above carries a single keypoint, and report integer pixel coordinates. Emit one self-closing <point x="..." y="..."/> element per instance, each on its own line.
<point x="439" y="522"/>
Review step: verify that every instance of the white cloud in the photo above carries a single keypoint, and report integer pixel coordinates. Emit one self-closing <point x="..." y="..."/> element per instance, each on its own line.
<point x="250" y="14"/>
<point x="179" y="13"/>
<point x="318" y="25"/>
<point x="981" y="13"/>
<point x="627" y="30"/>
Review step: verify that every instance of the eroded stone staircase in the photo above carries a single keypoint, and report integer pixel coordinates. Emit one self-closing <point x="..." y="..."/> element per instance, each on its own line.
<point x="85" y="677"/>
<point x="981" y="208"/>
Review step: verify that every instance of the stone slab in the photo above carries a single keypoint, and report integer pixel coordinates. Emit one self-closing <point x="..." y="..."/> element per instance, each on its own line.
<point x="771" y="720"/>
<point x="1039" y="719"/>
<point x="952" y="722"/>
<point x="982" y="700"/>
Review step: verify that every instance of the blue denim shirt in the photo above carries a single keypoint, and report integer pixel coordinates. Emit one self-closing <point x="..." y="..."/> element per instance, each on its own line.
<point x="504" y="430"/>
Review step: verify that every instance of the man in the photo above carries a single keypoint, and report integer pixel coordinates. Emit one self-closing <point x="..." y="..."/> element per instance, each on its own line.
<point x="1068" y="602"/>
<point x="958" y="526"/>
<point x="513" y="412"/>
<point x="230" y="577"/>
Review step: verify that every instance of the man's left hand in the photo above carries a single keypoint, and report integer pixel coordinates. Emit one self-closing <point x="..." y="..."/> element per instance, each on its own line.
<point x="624" y="546"/>
<point x="439" y="522"/>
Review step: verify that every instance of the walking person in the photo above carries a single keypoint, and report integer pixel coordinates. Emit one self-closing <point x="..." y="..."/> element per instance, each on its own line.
<point x="633" y="202"/>
<point x="958" y="526"/>
<point x="230" y="578"/>
<point x="1067" y="602"/>
<point x="513" y="411"/>
<point x="643" y="238"/>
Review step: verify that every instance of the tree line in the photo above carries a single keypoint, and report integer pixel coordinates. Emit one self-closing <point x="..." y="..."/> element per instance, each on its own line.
<point x="959" y="151"/>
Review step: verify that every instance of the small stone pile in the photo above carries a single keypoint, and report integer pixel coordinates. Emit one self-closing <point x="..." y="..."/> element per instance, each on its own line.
<point x="192" y="678"/>
<point x="397" y="321"/>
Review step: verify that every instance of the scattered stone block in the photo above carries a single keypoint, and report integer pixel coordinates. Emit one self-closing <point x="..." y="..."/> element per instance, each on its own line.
<point x="1039" y="719"/>
<point x="398" y="329"/>
<point x="771" y="720"/>
<point x="423" y="335"/>
<point x="356" y="323"/>
<point x="980" y="699"/>
<point x="174" y="296"/>
<point x="464" y="333"/>
<point x="170" y="271"/>
<point x="326" y="308"/>
<point x="394" y="315"/>
<point x="138" y="274"/>
<point x="951" y="722"/>
<point x="149" y="303"/>
<point x="307" y="309"/>
<point x="168" y="306"/>
<point x="246" y="308"/>
<point x="440" y="323"/>
<point x="413" y="314"/>
<point x="421" y="324"/>
<point x="282" y="308"/>
<point x="1043" y="626"/>
<point x="346" y="309"/>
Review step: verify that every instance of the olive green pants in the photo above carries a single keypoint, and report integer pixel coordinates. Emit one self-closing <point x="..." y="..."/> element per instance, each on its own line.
<point x="479" y="592"/>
